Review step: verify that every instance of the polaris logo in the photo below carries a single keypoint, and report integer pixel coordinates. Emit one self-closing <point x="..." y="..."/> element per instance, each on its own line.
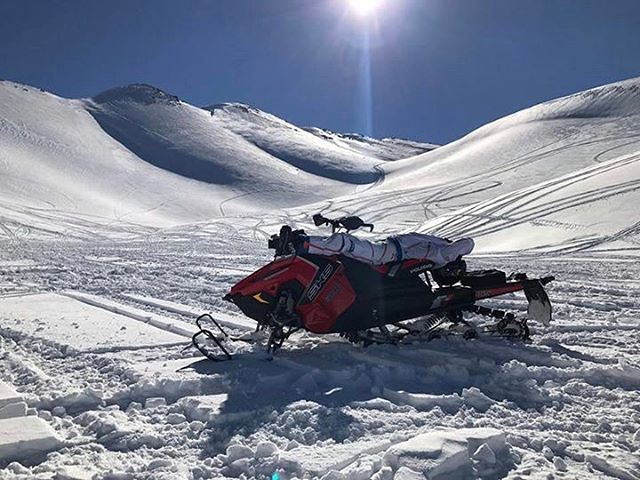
<point x="319" y="282"/>
<point x="422" y="268"/>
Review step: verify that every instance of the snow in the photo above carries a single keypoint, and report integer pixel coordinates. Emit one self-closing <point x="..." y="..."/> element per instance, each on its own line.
<point x="107" y="255"/>
<point x="25" y="437"/>
<point x="17" y="409"/>
<point x="106" y="166"/>
<point x="445" y="453"/>
<point x="22" y="436"/>
<point x="70" y="323"/>
<point x="541" y="180"/>
<point x="8" y="395"/>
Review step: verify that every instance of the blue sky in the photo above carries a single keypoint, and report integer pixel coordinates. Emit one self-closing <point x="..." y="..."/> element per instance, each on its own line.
<point x="436" y="70"/>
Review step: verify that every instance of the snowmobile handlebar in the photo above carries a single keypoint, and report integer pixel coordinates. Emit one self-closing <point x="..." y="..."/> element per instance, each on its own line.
<point x="348" y="223"/>
<point x="286" y="242"/>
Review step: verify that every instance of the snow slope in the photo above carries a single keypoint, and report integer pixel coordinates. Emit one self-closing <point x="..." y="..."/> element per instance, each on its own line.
<point x="62" y="173"/>
<point x="561" y="175"/>
<point x="138" y="157"/>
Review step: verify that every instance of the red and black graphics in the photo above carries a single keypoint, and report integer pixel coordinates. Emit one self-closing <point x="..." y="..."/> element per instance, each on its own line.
<point x="327" y="297"/>
<point x="320" y="288"/>
<point x="257" y="294"/>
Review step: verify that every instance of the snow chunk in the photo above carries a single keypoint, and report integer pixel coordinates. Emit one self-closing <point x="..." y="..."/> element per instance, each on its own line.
<point x="17" y="468"/>
<point x="484" y="455"/>
<point x="385" y="473"/>
<point x="484" y="460"/>
<point x="424" y="401"/>
<point x="26" y="437"/>
<point x="45" y="415"/>
<point x="560" y="464"/>
<point x="159" y="463"/>
<point x="8" y="395"/>
<point x="266" y="449"/>
<point x="405" y="473"/>
<point x="59" y="411"/>
<point x="71" y="472"/>
<point x="207" y="408"/>
<point x="315" y="461"/>
<point x="155" y="402"/>
<point x="444" y="452"/>
<point x="474" y="397"/>
<point x="236" y="452"/>
<point x="18" y="409"/>
<point x="176" y="418"/>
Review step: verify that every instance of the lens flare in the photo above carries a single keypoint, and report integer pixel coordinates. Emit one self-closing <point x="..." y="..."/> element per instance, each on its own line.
<point x="365" y="8"/>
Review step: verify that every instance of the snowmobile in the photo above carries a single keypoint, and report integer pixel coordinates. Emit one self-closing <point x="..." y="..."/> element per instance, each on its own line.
<point x="367" y="304"/>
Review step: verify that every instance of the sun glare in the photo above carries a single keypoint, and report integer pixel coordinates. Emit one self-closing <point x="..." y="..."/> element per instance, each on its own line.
<point x="365" y="7"/>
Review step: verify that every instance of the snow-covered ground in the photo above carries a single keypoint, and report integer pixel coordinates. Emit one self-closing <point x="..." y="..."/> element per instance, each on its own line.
<point x="92" y="331"/>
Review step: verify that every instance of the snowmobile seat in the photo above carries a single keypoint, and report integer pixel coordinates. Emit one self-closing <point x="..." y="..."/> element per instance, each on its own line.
<point x="413" y="266"/>
<point x="483" y="278"/>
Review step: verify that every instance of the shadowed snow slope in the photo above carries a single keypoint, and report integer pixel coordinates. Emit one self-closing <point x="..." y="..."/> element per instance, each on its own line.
<point x="58" y="168"/>
<point x="562" y="175"/>
<point x="135" y="156"/>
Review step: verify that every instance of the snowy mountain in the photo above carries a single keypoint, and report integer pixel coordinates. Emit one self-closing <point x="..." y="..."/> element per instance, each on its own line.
<point x="138" y="157"/>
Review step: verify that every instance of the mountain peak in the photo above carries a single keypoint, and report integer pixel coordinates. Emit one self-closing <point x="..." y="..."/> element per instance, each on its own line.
<point x="136" y="92"/>
<point x="232" y="107"/>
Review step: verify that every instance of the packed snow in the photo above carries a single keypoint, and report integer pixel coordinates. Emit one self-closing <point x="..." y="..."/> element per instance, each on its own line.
<point x="125" y="215"/>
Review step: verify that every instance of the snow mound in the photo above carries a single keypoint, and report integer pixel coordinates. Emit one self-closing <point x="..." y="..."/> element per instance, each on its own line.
<point x="61" y="173"/>
<point x="293" y="145"/>
<point x="591" y="209"/>
<point x="449" y="454"/>
<point x="612" y="100"/>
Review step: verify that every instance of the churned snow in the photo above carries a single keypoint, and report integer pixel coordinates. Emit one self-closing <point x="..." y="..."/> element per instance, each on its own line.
<point x="124" y="216"/>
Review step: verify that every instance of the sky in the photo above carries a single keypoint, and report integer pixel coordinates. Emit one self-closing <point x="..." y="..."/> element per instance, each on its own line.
<point x="430" y="70"/>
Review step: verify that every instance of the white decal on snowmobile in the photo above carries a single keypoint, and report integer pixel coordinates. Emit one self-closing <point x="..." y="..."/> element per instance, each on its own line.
<point x="315" y="288"/>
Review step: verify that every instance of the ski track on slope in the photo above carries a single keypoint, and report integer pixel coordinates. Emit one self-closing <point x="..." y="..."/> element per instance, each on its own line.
<point x="571" y="395"/>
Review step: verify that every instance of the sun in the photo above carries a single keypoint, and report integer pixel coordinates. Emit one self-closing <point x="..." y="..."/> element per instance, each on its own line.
<point x="365" y="8"/>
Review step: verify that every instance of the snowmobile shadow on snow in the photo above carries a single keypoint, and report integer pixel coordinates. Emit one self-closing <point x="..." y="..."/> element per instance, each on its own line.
<point x="474" y="374"/>
<point x="316" y="387"/>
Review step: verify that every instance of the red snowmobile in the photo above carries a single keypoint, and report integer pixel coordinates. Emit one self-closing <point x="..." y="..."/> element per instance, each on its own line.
<point x="371" y="304"/>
